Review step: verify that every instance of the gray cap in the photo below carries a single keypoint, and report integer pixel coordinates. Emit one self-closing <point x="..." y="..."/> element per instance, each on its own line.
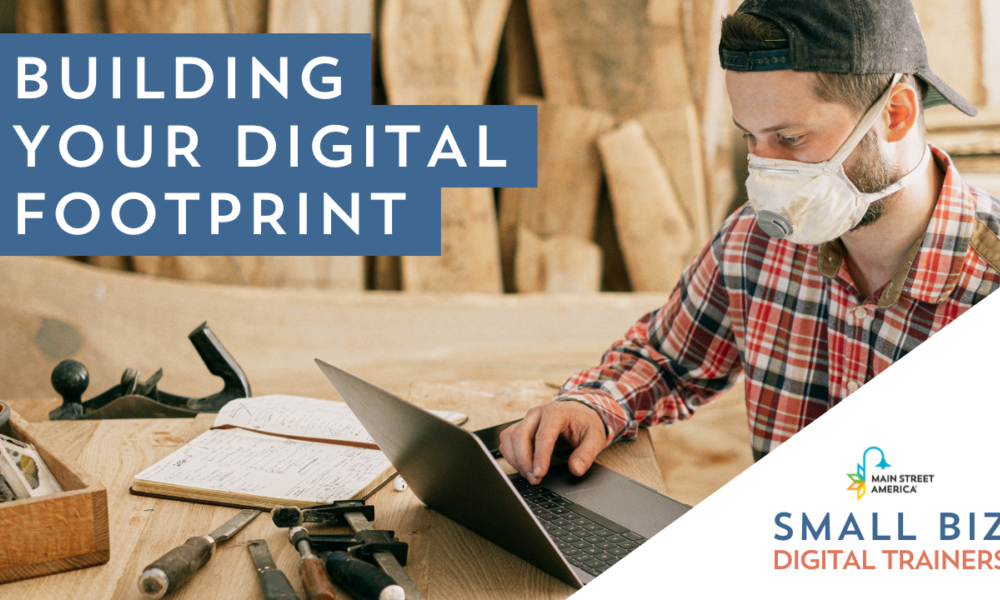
<point x="846" y="36"/>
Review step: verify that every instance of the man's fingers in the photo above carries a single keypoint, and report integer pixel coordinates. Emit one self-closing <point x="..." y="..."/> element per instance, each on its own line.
<point x="584" y="455"/>
<point x="521" y="441"/>
<point x="550" y="427"/>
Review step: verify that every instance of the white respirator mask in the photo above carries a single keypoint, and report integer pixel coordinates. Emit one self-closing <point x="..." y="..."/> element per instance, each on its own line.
<point x="812" y="203"/>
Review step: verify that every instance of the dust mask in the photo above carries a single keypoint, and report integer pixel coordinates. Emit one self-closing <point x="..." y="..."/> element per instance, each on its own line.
<point x="812" y="203"/>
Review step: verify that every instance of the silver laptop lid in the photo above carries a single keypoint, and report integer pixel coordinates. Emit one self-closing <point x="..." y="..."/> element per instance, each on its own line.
<point x="451" y="471"/>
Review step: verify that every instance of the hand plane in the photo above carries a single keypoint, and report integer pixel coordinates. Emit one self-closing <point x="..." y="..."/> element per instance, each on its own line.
<point x="137" y="399"/>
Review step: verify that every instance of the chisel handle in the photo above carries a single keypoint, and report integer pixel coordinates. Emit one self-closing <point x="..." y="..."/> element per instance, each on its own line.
<point x="315" y="579"/>
<point x="362" y="580"/>
<point x="173" y="569"/>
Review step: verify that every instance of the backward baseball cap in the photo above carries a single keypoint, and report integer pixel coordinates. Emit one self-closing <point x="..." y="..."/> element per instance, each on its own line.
<point x="846" y="36"/>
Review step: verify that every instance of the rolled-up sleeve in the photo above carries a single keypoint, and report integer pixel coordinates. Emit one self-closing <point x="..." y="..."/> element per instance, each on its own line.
<point x="671" y="361"/>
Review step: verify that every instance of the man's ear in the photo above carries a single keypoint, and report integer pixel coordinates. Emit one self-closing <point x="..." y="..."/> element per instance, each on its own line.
<point x="902" y="112"/>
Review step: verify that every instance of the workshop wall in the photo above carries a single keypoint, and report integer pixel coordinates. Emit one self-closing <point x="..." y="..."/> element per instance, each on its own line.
<point x="633" y="120"/>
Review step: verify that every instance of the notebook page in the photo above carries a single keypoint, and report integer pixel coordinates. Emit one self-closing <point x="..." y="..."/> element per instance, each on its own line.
<point x="295" y="416"/>
<point x="244" y="462"/>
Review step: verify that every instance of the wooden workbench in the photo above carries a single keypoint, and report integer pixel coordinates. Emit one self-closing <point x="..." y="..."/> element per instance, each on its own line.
<point x="445" y="560"/>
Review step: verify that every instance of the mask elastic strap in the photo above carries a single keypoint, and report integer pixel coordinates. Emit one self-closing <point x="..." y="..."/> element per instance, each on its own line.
<point x="866" y="123"/>
<point x="903" y="182"/>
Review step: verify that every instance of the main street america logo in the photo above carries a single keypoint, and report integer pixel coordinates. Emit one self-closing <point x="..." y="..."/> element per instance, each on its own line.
<point x="860" y="478"/>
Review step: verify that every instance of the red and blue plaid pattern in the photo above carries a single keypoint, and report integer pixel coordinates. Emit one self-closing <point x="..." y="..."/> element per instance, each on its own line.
<point x="759" y="307"/>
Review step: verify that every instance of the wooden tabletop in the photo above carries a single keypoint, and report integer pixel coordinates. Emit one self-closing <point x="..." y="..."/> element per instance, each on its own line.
<point x="445" y="559"/>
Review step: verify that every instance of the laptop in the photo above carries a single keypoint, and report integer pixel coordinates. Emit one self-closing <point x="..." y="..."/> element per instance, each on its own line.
<point x="573" y="528"/>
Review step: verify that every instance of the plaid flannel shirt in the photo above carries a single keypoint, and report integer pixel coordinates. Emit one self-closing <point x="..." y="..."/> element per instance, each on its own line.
<point x="789" y="318"/>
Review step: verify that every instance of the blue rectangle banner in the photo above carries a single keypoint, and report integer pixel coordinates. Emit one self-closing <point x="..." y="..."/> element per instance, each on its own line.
<point x="213" y="144"/>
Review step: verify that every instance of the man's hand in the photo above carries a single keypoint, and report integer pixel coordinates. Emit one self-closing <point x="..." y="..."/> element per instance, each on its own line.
<point x="528" y="445"/>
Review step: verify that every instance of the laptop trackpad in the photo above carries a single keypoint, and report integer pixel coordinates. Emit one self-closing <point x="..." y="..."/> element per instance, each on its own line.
<point x="617" y="498"/>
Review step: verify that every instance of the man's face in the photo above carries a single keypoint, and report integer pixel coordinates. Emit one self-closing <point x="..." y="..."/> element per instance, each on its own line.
<point x="782" y="118"/>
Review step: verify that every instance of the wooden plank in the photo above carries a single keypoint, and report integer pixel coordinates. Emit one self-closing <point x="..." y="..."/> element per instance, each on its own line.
<point x="677" y="138"/>
<point x="948" y="118"/>
<point x="518" y="57"/>
<point x="86" y="16"/>
<point x="990" y="182"/>
<point x="970" y="141"/>
<point x="247" y="16"/>
<point x="337" y="273"/>
<point x="182" y="16"/>
<point x="429" y="53"/>
<point x="569" y="180"/>
<point x="186" y="16"/>
<point x="470" y="251"/>
<point x="656" y="237"/>
<point x="726" y="179"/>
<point x="989" y="163"/>
<point x="40" y="16"/>
<point x="991" y="51"/>
<point x="443" y="52"/>
<point x="701" y="22"/>
<point x="954" y="35"/>
<point x="614" y="276"/>
<point x="243" y="270"/>
<point x="558" y="264"/>
<point x="701" y="26"/>
<point x="509" y="209"/>
<point x="624" y="57"/>
<point x="317" y="272"/>
<point x="702" y="30"/>
<point x="569" y="172"/>
<point x="120" y="263"/>
<point x="387" y="274"/>
<point x="320" y="16"/>
<point x="487" y="18"/>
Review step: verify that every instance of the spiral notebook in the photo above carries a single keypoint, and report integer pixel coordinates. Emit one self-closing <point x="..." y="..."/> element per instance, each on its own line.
<point x="271" y="450"/>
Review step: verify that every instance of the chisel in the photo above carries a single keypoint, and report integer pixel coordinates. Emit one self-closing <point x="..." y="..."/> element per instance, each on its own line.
<point x="173" y="569"/>
<point x="273" y="583"/>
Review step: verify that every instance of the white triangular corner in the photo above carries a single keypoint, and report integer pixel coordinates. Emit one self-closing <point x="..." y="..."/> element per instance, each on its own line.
<point x="937" y="411"/>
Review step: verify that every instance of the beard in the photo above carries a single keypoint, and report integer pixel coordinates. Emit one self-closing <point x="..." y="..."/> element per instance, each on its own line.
<point x="873" y="172"/>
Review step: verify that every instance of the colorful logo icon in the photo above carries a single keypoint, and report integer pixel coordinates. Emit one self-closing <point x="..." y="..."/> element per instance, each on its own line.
<point x="858" y="479"/>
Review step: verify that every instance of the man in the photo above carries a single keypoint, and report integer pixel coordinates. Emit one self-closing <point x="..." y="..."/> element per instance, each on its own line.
<point x="859" y="241"/>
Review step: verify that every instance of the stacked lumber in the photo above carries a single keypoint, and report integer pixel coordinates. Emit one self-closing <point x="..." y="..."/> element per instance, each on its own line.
<point x="628" y="60"/>
<point x="443" y="52"/>
<point x="562" y="207"/>
<point x="970" y="63"/>
<point x="974" y="144"/>
<point x="638" y="160"/>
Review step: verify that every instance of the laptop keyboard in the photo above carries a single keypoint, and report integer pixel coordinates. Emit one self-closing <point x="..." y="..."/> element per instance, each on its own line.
<point x="586" y="539"/>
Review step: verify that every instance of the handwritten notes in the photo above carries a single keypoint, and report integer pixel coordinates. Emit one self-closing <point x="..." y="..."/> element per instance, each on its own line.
<point x="270" y="448"/>
<point x="308" y="418"/>
<point x="246" y="463"/>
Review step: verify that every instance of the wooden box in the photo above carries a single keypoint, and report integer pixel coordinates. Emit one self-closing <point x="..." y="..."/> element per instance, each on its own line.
<point x="60" y="532"/>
